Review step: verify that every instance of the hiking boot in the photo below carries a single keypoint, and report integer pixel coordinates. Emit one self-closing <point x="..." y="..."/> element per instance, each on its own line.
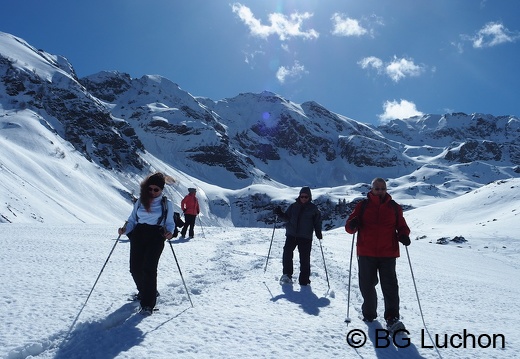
<point x="286" y="279"/>
<point x="394" y="324"/>
<point x="146" y="311"/>
<point x="368" y="320"/>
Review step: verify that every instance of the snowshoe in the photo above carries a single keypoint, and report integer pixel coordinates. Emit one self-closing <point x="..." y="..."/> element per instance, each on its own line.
<point x="285" y="279"/>
<point x="146" y="311"/>
<point x="394" y="325"/>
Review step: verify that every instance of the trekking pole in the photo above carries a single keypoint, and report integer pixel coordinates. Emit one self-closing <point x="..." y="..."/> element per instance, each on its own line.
<point x="347" y="319"/>
<point x="323" y="256"/>
<point x="419" y="302"/>
<point x="99" y="275"/>
<point x="180" y="272"/>
<point x="201" y="227"/>
<point x="269" y="253"/>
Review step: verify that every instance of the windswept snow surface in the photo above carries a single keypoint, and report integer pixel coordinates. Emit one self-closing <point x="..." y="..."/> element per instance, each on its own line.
<point x="468" y="292"/>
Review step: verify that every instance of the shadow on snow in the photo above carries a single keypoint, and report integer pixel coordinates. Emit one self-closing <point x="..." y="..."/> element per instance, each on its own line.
<point x="106" y="338"/>
<point x="387" y="347"/>
<point x="308" y="301"/>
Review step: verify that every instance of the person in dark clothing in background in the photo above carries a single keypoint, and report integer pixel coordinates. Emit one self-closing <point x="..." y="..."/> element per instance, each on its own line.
<point x="302" y="217"/>
<point x="380" y="225"/>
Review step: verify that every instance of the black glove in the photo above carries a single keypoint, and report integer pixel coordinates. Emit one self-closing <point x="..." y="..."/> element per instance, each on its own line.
<point x="404" y="239"/>
<point x="319" y="235"/>
<point x="354" y="223"/>
<point x="278" y="211"/>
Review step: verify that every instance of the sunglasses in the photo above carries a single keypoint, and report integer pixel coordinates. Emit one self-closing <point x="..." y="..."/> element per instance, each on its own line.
<point x="154" y="189"/>
<point x="304" y="196"/>
<point x="380" y="188"/>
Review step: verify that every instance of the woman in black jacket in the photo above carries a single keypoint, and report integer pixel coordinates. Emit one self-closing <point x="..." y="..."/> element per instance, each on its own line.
<point x="302" y="217"/>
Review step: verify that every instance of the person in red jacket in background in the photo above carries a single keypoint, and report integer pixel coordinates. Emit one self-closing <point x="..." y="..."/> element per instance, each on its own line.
<point x="190" y="208"/>
<point x="380" y="225"/>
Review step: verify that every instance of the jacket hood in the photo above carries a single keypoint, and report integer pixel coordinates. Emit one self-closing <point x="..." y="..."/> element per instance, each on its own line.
<point x="307" y="191"/>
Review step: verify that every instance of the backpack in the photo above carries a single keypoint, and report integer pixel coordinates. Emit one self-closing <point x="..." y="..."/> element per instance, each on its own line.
<point x="178" y="220"/>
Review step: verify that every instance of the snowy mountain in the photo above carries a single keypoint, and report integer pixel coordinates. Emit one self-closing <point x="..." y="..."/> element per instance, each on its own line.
<point x="56" y="128"/>
<point x="74" y="150"/>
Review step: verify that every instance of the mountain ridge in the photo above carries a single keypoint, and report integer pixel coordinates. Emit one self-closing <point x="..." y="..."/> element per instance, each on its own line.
<point x="233" y="148"/>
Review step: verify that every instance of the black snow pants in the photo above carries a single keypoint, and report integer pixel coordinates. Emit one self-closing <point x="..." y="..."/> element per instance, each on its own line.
<point x="189" y="222"/>
<point x="146" y="246"/>
<point x="369" y="268"/>
<point x="304" y="248"/>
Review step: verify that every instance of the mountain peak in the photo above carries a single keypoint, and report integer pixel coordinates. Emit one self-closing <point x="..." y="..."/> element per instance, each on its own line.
<point x="129" y="127"/>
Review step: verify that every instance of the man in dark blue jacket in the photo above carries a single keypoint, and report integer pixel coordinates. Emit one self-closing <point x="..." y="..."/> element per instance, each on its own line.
<point x="302" y="217"/>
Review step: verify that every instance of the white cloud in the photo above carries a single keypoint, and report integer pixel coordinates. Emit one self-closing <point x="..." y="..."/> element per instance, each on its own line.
<point x="283" y="26"/>
<point x="371" y="61"/>
<point x="396" y="69"/>
<point x="492" y="34"/>
<point x="295" y="71"/>
<point x="401" y="68"/>
<point x="347" y="26"/>
<point x="394" y="110"/>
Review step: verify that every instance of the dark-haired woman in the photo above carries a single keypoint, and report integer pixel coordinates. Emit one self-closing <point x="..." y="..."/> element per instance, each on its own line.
<point x="149" y="225"/>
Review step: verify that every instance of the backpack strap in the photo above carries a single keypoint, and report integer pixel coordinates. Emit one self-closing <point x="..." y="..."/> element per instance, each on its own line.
<point x="394" y="204"/>
<point x="164" y="213"/>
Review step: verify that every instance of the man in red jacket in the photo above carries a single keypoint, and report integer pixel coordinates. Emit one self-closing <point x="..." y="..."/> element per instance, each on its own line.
<point x="381" y="226"/>
<point x="190" y="208"/>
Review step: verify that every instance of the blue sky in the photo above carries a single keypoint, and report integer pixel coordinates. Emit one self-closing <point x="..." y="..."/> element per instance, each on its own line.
<point x="365" y="59"/>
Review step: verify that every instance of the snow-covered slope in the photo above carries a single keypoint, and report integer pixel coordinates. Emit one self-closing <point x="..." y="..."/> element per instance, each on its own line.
<point x="466" y="290"/>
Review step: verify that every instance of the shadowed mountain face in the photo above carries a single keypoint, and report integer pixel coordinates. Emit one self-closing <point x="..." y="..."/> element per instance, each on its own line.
<point x="130" y="126"/>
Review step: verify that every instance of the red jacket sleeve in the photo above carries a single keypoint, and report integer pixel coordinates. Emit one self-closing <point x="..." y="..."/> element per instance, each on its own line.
<point x="355" y="213"/>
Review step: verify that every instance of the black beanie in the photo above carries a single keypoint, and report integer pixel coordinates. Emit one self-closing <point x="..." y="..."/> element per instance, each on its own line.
<point x="157" y="179"/>
<point x="306" y="190"/>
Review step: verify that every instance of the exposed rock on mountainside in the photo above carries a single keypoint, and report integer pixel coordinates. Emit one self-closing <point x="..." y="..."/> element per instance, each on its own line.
<point x="131" y="126"/>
